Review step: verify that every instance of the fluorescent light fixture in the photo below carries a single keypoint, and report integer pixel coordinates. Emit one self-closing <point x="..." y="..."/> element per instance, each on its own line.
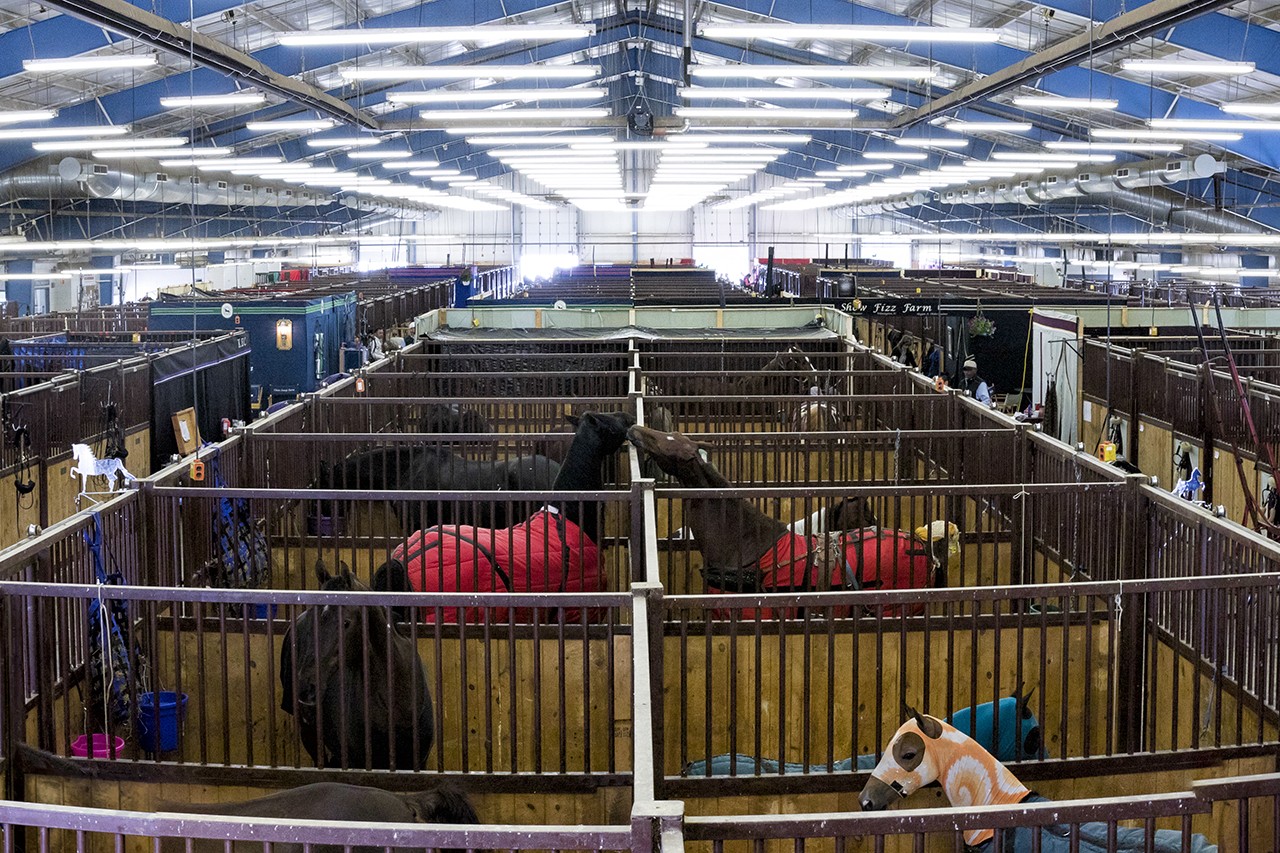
<point x="485" y="33"/>
<point x="19" y="116"/>
<point x="1154" y="147"/>
<point x="567" y="154"/>
<point x="895" y="155"/>
<point x="473" y="72"/>
<point x="988" y="126"/>
<point x="645" y="145"/>
<point x="426" y="173"/>
<point x="231" y="99"/>
<point x="369" y="154"/>
<point x="770" y="137"/>
<point x="340" y="141"/>
<point x="36" y="276"/>
<point x="1163" y="135"/>
<point x="1188" y="66"/>
<point x="1239" y="107"/>
<point x="110" y="144"/>
<point x="447" y="178"/>
<point x="144" y="267"/>
<point x="232" y="162"/>
<point x="765" y="113"/>
<point x="1055" y="103"/>
<point x="766" y="93"/>
<point x="498" y="95"/>
<point x="533" y="114"/>
<point x="913" y="142"/>
<point x="486" y="130"/>
<point x="814" y="72"/>
<point x="27" y="133"/>
<point x="411" y="164"/>
<point x="850" y="32"/>
<point x="1243" y="125"/>
<point x="304" y="125"/>
<point x="89" y="63"/>
<point x="1042" y="157"/>
<point x="127" y="154"/>
<point x="484" y="140"/>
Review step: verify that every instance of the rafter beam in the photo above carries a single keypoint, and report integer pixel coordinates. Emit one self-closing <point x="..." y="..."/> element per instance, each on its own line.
<point x="130" y="21"/>
<point x="1146" y="20"/>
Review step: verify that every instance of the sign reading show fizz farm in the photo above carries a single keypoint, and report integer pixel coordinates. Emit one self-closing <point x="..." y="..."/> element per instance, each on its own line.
<point x="891" y="307"/>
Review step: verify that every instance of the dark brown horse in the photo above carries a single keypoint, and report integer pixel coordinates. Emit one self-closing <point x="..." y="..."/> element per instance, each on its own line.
<point x="356" y="687"/>
<point x="440" y="803"/>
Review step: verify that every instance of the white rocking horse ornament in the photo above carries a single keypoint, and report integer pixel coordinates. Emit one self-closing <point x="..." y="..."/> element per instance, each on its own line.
<point x="87" y="465"/>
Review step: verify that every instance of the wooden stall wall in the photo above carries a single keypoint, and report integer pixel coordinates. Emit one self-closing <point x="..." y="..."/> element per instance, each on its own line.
<point x="782" y="688"/>
<point x="1219" y="826"/>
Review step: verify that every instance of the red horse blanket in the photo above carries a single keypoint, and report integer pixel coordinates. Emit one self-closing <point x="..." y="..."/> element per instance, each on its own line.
<point x="545" y="553"/>
<point x="856" y="559"/>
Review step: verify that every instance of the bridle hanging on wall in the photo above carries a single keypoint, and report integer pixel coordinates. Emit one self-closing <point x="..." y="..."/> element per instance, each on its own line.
<point x="19" y="437"/>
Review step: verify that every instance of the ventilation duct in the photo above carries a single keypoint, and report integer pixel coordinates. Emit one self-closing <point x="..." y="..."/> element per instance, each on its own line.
<point x="74" y="179"/>
<point x="1117" y="189"/>
<point x="891" y="205"/>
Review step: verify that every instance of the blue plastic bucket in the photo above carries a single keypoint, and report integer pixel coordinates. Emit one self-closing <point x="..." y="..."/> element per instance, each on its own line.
<point x="166" y="708"/>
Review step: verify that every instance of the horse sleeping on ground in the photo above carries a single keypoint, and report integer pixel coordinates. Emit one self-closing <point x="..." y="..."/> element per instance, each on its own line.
<point x="441" y="803"/>
<point x="926" y="749"/>
<point x="744" y="550"/>
<point x="342" y="693"/>
<point x="554" y="550"/>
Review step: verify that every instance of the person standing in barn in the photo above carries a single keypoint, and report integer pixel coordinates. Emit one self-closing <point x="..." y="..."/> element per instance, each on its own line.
<point x="973" y="384"/>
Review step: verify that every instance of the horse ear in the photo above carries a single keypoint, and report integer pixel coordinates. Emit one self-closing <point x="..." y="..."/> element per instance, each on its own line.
<point x="344" y="570"/>
<point x="931" y="727"/>
<point x="322" y="573"/>
<point x="1024" y="702"/>
<point x="572" y="418"/>
<point x="928" y="725"/>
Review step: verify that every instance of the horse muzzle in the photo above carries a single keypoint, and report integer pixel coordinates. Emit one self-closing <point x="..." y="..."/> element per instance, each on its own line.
<point x="877" y="796"/>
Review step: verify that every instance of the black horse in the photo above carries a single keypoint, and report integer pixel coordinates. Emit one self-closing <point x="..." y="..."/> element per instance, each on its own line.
<point x="441" y="803"/>
<point x="597" y="436"/>
<point x="356" y="688"/>
<point x="436" y="468"/>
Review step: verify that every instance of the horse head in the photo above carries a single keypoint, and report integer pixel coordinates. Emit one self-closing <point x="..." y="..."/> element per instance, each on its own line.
<point x="674" y="453"/>
<point x="322" y="633"/>
<point x="851" y="514"/>
<point x="443" y="803"/>
<point x="794" y="370"/>
<point x="610" y="428"/>
<point x="912" y="760"/>
<point x="925" y="749"/>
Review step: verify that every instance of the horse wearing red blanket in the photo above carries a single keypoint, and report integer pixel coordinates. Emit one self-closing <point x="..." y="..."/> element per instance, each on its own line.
<point x="554" y="550"/>
<point x="745" y="550"/>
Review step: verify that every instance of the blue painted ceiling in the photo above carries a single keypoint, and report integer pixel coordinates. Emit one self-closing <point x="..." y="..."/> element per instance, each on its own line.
<point x="638" y="47"/>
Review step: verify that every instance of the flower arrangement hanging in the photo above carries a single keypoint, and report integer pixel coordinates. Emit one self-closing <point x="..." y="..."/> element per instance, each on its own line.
<point x="981" y="326"/>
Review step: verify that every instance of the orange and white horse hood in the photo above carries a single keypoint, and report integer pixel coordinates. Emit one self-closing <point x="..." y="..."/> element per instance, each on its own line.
<point x="926" y="749"/>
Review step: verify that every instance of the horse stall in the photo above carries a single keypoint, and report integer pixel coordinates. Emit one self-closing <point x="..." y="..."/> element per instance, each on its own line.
<point x="1104" y="640"/>
<point x="1158" y="406"/>
<point x="114" y="393"/>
